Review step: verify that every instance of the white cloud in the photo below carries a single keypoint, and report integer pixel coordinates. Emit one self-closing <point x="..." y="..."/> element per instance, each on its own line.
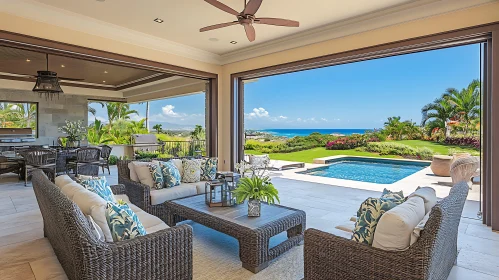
<point x="258" y="113"/>
<point x="283" y="117"/>
<point x="92" y="118"/>
<point x="168" y="111"/>
<point x="324" y="119"/>
<point x="298" y="119"/>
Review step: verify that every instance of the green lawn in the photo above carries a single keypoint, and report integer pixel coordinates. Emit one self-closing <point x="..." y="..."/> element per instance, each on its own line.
<point x="309" y="155"/>
<point x="438" y="148"/>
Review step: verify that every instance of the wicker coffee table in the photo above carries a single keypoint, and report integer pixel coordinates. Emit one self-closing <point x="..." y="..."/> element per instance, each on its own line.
<point x="253" y="233"/>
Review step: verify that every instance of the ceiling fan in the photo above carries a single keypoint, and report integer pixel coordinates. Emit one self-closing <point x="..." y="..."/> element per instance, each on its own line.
<point x="247" y="17"/>
<point x="47" y="81"/>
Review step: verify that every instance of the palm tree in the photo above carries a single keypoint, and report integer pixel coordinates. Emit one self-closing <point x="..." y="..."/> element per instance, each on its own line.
<point x="137" y="127"/>
<point x="439" y="112"/>
<point x="466" y="102"/>
<point x="157" y="127"/>
<point x="91" y="109"/>
<point x="118" y="110"/>
<point x="97" y="133"/>
<point x="198" y="133"/>
<point x="394" y="127"/>
<point x="23" y="114"/>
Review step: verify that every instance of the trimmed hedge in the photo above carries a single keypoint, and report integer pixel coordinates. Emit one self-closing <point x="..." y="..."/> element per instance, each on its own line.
<point x="463" y="141"/>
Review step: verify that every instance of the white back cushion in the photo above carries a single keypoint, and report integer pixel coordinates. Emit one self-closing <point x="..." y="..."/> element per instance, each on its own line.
<point x="62" y="180"/>
<point x="143" y="173"/>
<point x="133" y="174"/>
<point x="92" y="204"/>
<point x="420" y="227"/>
<point x="429" y="196"/>
<point x="70" y="189"/>
<point x="178" y="164"/>
<point x="396" y="226"/>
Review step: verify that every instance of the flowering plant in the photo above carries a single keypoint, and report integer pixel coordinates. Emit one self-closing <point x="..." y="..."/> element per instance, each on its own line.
<point x="75" y="130"/>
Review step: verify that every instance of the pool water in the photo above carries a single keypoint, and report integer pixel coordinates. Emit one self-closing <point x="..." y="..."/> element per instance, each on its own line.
<point x="368" y="170"/>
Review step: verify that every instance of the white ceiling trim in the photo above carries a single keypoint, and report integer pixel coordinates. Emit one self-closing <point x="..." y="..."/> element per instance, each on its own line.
<point x="384" y="18"/>
<point x="55" y="16"/>
<point x="403" y="13"/>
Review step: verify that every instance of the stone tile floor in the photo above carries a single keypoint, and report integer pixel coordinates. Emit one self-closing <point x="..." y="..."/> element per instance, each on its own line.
<point x="25" y="254"/>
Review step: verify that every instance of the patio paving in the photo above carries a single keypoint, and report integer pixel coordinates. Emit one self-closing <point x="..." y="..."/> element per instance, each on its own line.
<point x="25" y="254"/>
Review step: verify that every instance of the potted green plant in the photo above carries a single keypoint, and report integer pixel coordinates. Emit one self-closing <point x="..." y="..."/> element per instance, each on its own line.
<point x="256" y="189"/>
<point x="75" y="131"/>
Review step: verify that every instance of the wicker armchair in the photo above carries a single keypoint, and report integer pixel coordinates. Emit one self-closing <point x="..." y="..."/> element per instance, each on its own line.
<point x="331" y="257"/>
<point x="44" y="159"/>
<point x="165" y="254"/>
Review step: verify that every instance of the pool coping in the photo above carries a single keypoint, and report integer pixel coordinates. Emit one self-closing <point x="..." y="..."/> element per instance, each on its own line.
<point x="324" y="160"/>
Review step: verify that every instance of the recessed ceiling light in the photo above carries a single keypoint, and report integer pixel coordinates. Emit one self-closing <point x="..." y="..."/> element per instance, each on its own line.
<point x="101" y="0"/>
<point x="158" y="20"/>
<point x="213" y="39"/>
<point x="233" y="42"/>
<point x="105" y="72"/>
<point x="28" y="60"/>
<point x="104" y="81"/>
<point x="62" y="65"/>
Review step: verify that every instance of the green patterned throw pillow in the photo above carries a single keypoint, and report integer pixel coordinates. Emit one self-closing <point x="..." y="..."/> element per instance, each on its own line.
<point x="370" y="212"/>
<point x="157" y="175"/>
<point x="209" y="168"/>
<point x="171" y="174"/>
<point x="192" y="170"/>
<point x="388" y="194"/>
<point x="99" y="186"/>
<point x="123" y="222"/>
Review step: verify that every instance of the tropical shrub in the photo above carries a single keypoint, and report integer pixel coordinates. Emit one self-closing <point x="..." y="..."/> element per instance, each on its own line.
<point x="351" y="142"/>
<point x="389" y="148"/>
<point x="113" y="160"/>
<point x="463" y="141"/>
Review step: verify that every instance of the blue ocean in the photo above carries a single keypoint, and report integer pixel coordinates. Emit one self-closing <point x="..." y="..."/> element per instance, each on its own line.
<point x="307" y="131"/>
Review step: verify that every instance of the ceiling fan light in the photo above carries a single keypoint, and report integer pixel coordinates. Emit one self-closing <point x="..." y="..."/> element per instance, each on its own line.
<point x="47" y="82"/>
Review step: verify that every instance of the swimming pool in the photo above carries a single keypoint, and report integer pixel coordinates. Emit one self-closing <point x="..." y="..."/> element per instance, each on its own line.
<point x="381" y="171"/>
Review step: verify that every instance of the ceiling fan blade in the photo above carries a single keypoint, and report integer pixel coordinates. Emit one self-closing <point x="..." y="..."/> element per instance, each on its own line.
<point x="70" y="79"/>
<point x="250" y="31"/>
<point x="278" y="22"/>
<point x="216" y="26"/>
<point x="252" y="7"/>
<point x="222" y="7"/>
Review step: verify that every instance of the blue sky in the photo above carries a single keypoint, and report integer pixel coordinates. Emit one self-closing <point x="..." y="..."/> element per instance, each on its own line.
<point x="356" y="95"/>
<point x="179" y="112"/>
<point x="359" y="95"/>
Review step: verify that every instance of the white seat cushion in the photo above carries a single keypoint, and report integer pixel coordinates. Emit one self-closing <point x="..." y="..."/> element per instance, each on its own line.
<point x="155" y="228"/>
<point x="396" y="226"/>
<point x="148" y="220"/>
<point x="92" y="204"/>
<point x="143" y="173"/>
<point x="70" y="189"/>
<point x="429" y="196"/>
<point x="182" y="190"/>
<point x="200" y="186"/>
<point x="62" y="180"/>
<point x="125" y="198"/>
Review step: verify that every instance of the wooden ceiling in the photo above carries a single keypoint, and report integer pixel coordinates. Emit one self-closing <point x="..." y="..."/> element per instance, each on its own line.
<point x="94" y="74"/>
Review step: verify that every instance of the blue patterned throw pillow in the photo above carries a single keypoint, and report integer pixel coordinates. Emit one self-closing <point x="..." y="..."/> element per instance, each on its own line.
<point x="123" y="222"/>
<point x="209" y="168"/>
<point x="157" y="175"/>
<point x="388" y="194"/>
<point x="171" y="175"/>
<point x="99" y="186"/>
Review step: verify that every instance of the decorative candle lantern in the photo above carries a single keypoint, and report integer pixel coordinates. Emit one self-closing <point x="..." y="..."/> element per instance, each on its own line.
<point x="219" y="191"/>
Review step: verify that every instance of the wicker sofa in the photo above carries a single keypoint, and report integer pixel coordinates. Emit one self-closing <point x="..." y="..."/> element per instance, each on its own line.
<point x="331" y="257"/>
<point x="140" y="194"/>
<point x="164" y="254"/>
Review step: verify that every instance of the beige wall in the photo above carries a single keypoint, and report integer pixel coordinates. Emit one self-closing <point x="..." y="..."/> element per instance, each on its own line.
<point x="451" y="21"/>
